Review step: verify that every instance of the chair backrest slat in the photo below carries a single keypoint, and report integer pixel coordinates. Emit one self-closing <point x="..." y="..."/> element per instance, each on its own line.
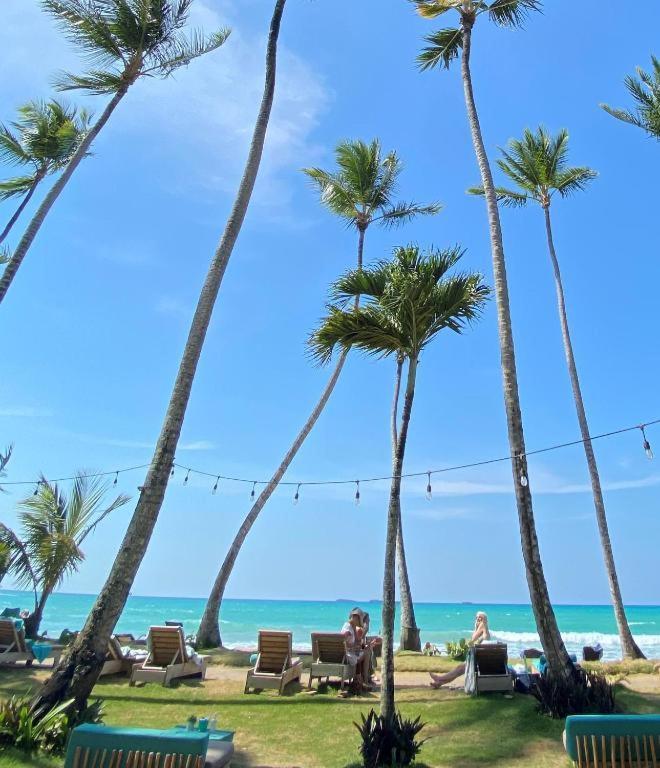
<point x="167" y="646"/>
<point x="89" y="757"/>
<point x="275" y="651"/>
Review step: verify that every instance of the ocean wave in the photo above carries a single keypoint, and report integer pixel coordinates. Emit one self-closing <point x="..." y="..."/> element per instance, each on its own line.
<point x="575" y="641"/>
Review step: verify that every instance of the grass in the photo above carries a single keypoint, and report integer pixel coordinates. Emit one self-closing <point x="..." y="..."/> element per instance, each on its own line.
<point x="317" y="731"/>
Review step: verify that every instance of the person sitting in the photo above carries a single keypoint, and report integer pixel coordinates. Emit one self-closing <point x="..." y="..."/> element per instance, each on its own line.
<point x="481" y="634"/>
<point x="373" y="643"/>
<point x="358" y="650"/>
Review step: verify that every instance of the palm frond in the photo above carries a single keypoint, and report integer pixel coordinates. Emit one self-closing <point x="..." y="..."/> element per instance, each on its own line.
<point x="97" y="82"/>
<point x="443" y="47"/>
<point x="369" y="283"/>
<point x="402" y="212"/>
<point x="512" y="13"/>
<point x="507" y="197"/>
<point x="573" y="180"/>
<point x="19" y="185"/>
<point x="17" y="559"/>
<point x="181" y="51"/>
<point x="5" y="255"/>
<point x="431" y="9"/>
<point x="12" y="150"/>
<point x="645" y="90"/>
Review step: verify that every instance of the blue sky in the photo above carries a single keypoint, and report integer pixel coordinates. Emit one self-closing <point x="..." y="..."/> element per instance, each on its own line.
<point x="94" y="325"/>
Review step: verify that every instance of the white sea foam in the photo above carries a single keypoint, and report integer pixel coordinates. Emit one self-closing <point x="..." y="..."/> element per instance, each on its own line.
<point x="575" y="641"/>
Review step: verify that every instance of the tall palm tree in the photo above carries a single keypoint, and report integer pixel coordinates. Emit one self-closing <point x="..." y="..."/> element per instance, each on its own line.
<point x="361" y="192"/>
<point x="75" y="675"/>
<point x="53" y="529"/>
<point x="408" y="302"/>
<point x="443" y="47"/>
<point x="645" y="90"/>
<point x="128" y="41"/>
<point x="538" y="166"/>
<point x="44" y="138"/>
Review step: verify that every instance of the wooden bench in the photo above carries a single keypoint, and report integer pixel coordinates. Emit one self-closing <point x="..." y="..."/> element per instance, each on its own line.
<point x="614" y="741"/>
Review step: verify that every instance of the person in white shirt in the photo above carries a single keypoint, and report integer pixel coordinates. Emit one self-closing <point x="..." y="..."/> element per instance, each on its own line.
<point x="357" y="650"/>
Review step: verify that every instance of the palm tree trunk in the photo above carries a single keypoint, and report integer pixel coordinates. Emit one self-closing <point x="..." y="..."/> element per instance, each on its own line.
<point x="630" y="648"/>
<point x="26" y="199"/>
<point x="42" y="211"/>
<point x="76" y="674"/>
<point x="559" y="662"/>
<point x="409" y="631"/>
<point x="208" y="634"/>
<point x="393" y="516"/>
<point x="33" y="621"/>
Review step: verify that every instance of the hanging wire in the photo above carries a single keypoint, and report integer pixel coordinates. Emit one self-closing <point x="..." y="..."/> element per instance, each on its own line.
<point x="647" y="445"/>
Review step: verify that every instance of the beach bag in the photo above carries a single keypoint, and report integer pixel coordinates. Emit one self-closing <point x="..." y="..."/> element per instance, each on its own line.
<point x="470" y="674"/>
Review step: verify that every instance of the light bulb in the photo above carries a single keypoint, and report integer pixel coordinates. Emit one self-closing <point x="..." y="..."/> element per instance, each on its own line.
<point x="647" y="446"/>
<point x="357" y="493"/>
<point x="215" y="487"/>
<point x="523" y="480"/>
<point x="429" y="490"/>
<point x="297" y="496"/>
<point x="253" y="487"/>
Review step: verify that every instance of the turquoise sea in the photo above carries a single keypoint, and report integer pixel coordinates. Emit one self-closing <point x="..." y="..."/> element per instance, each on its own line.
<point x="439" y="622"/>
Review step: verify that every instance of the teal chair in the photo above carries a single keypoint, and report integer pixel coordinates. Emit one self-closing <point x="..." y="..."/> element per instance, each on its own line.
<point x="620" y="741"/>
<point x="103" y="746"/>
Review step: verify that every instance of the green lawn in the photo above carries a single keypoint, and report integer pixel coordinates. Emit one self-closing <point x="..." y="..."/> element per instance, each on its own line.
<point x="317" y="730"/>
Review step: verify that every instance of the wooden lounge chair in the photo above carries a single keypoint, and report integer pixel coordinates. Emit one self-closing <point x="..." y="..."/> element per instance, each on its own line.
<point x="275" y="666"/>
<point x="13" y="646"/>
<point x="330" y="658"/>
<point x="118" y="663"/>
<point x="614" y="741"/>
<point x="117" y="758"/>
<point x="167" y="659"/>
<point x="491" y="668"/>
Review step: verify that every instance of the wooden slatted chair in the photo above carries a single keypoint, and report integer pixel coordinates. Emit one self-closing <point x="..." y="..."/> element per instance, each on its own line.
<point x="118" y="663"/>
<point x="613" y="741"/>
<point x="330" y="658"/>
<point x="491" y="669"/>
<point x="90" y="757"/>
<point x="275" y="666"/>
<point x="168" y="658"/>
<point x="13" y="647"/>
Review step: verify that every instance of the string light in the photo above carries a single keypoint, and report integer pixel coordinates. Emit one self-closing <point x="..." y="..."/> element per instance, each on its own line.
<point x="297" y="496"/>
<point x="36" y="488"/>
<point x="215" y="487"/>
<point x="254" y="485"/>
<point x="647" y="445"/>
<point x="185" y="481"/>
<point x="357" y="492"/>
<point x="116" y="478"/>
<point x="523" y="477"/>
<point x="173" y="465"/>
<point x="429" y="490"/>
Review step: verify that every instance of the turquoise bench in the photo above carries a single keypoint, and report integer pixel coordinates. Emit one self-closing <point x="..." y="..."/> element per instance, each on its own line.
<point x="619" y="741"/>
<point x="95" y="741"/>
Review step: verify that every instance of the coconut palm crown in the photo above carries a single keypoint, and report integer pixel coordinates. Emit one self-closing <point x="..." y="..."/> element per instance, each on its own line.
<point x="645" y="90"/>
<point x="538" y="165"/>
<point x="407" y="302"/>
<point x="44" y="137"/>
<point x="124" y="41"/>
<point x="363" y="189"/>
<point x="445" y="45"/>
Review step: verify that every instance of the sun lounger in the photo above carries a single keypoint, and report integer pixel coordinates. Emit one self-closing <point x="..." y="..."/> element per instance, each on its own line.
<point x="615" y="741"/>
<point x="15" y="648"/>
<point x="168" y="658"/>
<point x="330" y="658"/>
<point x="117" y="662"/>
<point x="491" y="668"/>
<point x="275" y="666"/>
<point x="592" y="652"/>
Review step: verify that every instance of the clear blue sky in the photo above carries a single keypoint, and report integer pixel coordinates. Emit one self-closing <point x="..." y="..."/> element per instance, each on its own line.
<point x="94" y="325"/>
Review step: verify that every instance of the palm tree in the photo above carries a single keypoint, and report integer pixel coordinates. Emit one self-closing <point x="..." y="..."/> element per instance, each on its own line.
<point x="538" y="167"/>
<point x="443" y="47"/>
<point x="53" y="529"/>
<point x="44" y="138"/>
<point x="75" y="675"/>
<point x="128" y="41"/>
<point x="645" y="90"/>
<point x="408" y="302"/>
<point x="361" y="192"/>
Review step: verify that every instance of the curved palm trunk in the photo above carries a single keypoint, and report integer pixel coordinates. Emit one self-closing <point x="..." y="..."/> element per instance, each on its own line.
<point x="553" y="646"/>
<point x="409" y="631"/>
<point x="33" y="621"/>
<point x="76" y="674"/>
<point x="208" y="634"/>
<point x="39" y="217"/>
<point x="393" y="517"/>
<point x="26" y="199"/>
<point x="630" y="648"/>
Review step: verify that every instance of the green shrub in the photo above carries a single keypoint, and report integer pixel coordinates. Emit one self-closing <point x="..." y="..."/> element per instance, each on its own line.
<point x="584" y="692"/>
<point x="389" y="744"/>
<point x="458" y="651"/>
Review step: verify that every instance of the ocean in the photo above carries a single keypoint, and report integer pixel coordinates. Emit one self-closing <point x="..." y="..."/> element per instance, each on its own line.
<point x="439" y="622"/>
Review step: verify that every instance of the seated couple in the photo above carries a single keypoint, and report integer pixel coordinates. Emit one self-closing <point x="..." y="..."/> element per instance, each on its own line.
<point x="481" y="634"/>
<point x="358" y="649"/>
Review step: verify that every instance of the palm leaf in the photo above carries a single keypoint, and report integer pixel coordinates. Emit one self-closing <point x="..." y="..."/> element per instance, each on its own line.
<point x="402" y="212"/>
<point x="512" y="13"/>
<point x="443" y="47"/>
<point x="573" y="180"/>
<point x="19" y="185"/>
<point x="431" y="9"/>
<point x="507" y="197"/>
